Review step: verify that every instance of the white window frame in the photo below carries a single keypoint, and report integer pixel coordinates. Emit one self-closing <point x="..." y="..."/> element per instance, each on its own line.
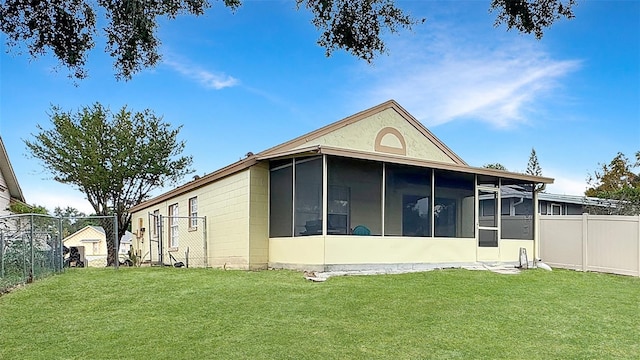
<point x="173" y="225"/>
<point x="156" y="224"/>
<point x="193" y="213"/>
<point x="559" y="206"/>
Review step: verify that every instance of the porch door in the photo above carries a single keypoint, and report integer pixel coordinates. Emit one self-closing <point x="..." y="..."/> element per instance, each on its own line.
<point x="488" y="234"/>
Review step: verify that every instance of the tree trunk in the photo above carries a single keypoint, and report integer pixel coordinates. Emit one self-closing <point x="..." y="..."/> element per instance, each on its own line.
<point x="109" y="228"/>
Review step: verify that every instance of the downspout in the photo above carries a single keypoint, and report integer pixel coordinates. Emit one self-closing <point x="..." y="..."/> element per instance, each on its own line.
<point x="519" y="201"/>
<point x="536" y="222"/>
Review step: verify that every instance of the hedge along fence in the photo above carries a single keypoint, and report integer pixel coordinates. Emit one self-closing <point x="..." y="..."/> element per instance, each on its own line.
<point x="602" y="243"/>
<point x="30" y="248"/>
<point x="31" y="245"/>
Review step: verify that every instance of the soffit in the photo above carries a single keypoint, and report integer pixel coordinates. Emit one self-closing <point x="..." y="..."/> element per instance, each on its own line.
<point x="9" y="175"/>
<point x="409" y="161"/>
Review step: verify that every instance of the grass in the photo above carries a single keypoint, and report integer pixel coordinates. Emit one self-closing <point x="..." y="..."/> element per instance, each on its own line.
<point x="166" y="313"/>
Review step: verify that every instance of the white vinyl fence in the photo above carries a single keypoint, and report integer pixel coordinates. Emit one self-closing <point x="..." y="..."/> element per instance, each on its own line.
<point x="602" y="243"/>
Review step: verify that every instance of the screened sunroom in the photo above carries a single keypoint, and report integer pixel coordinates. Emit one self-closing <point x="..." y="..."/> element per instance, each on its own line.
<point x="412" y="211"/>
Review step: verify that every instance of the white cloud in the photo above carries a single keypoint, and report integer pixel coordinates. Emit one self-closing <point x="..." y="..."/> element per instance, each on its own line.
<point x="446" y="77"/>
<point x="565" y="184"/>
<point x="208" y="79"/>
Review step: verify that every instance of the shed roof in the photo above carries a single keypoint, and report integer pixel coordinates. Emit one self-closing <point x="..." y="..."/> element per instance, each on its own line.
<point x="97" y="229"/>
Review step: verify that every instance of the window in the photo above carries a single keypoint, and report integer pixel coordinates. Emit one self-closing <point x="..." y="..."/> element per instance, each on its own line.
<point x="556" y="209"/>
<point x="155" y="229"/>
<point x="357" y="186"/>
<point x="193" y="213"/>
<point x="407" y="202"/>
<point x="506" y="207"/>
<point x="173" y="226"/>
<point x="281" y="199"/>
<point x="454" y="206"/>
<point x="543" y="208"/>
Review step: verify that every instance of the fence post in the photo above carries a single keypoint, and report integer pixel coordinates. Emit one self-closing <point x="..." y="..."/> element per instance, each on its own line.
<point x="161" y="240"/>
<point x="638" y="245"/>
<point x="536" y="228"/>
<point x="31" y="274"/>
<point x="60" y="254"/>
<point x="116" y="245"/>
<point x="585" y="235"/>
<point x="1" y="253"/>
<point x="24" y="255"/>
<point x="204" y="236"/>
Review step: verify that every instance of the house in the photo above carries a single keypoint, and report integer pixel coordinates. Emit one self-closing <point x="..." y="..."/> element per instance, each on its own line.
<point x="513" y="203"/>
<point x="374" y="190"/>
<point x="10" y="191"/>
<point x="559" y="204"/>
<point x="91" y="244"/>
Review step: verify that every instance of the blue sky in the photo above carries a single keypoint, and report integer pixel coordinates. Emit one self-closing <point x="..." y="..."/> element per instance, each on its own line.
<point x="251" y="80"/>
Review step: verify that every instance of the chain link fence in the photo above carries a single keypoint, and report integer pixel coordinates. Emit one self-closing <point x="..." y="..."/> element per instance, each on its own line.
<point x="33" y="246"/>
<point x="30" y="248"/>
<point x="175" y="241"/>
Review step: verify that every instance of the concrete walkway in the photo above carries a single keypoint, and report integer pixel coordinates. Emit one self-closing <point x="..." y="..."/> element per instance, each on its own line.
<point x="323" y="276"/>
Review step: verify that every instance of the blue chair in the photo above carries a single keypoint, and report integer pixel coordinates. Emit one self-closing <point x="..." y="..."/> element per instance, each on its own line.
<point x="361" y="230"/>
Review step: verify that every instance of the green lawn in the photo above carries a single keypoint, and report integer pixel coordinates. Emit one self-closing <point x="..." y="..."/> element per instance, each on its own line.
<point x="167" y="313"/>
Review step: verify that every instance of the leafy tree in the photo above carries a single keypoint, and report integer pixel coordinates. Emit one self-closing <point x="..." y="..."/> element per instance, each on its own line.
<point x="496" y="166"/>
<point x="618" y="182"/>
<point x="73" y="220"/>
<point x="115" y="159"/>
<point x="22" y="208"/>
<point x="67" y="27"/>
<point x="533" y="168"/>
<point x="13" y="226"/>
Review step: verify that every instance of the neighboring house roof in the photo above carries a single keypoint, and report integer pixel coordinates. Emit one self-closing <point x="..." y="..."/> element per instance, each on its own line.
<point x="90" y="229"/>
<point x="9" y="176"/>
<point x="510" y="191"/>
<point x="96" y="228"/>
<point x="576" y="199"/>
<point x="308" y="144"/>
<point x="127" y="238"/>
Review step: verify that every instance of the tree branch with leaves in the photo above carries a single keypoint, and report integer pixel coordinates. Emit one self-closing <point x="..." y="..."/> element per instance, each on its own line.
<point x="616" y="181"/>
<point x="67" y="28"/>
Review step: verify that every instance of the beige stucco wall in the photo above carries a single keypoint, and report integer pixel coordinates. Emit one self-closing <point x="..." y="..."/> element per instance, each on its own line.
<point x="313" y="252"/>
<point x="303" y="250"/>
<point x="259" y="217"/>
<point x="226" y="205"/>
<point x="397" y="250"/>
<point x="510" y="250"/>
<point x="316" y="252"/>
<point x="361" y="136"/>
